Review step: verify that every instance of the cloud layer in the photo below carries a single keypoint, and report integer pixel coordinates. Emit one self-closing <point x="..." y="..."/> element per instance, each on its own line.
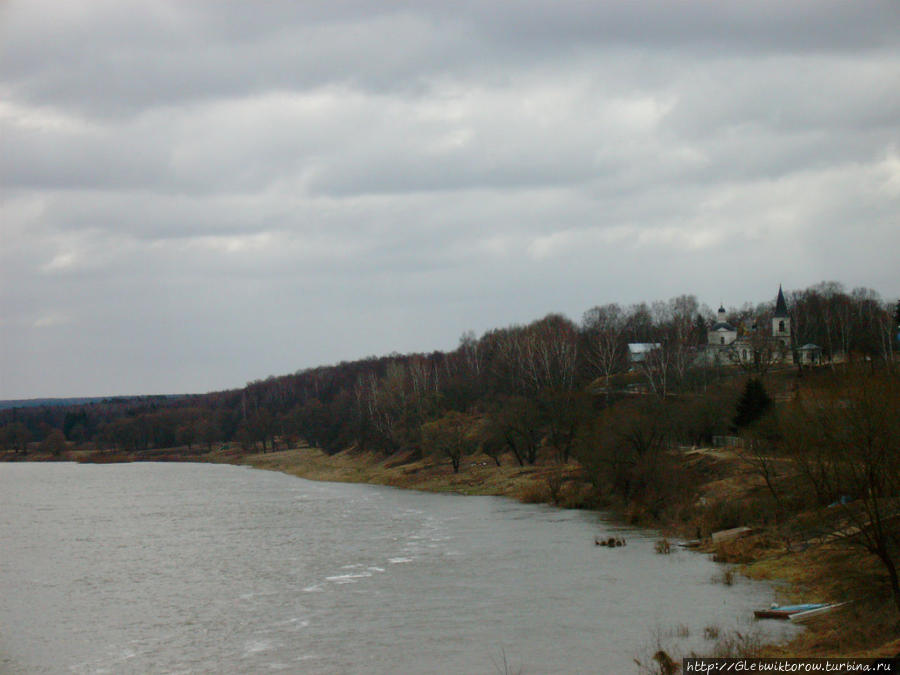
<point x="199" y="194"/>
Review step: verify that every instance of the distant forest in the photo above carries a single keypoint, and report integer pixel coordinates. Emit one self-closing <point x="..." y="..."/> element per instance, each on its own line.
<point x="524" y="389"/>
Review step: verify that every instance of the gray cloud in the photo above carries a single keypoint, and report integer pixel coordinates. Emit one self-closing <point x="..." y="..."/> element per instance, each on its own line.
<point x="198" y="194"/>
<point x="116" y="58"/>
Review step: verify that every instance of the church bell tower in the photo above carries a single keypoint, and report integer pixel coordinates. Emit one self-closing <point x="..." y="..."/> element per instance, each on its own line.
<point x="781" y="321"/>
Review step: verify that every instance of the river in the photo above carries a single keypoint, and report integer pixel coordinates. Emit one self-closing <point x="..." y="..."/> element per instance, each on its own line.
<point x="198" y="568"/>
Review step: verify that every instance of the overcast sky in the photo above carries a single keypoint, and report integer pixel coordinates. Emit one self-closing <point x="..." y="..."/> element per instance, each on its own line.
<point x="194" y="195"/>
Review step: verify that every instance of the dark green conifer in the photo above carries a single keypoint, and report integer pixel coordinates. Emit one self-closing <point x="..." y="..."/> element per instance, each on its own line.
<point x="752" y="404"/>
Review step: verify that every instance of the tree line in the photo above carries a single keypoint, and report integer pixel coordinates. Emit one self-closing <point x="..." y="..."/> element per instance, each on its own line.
<point x="525" y="389"/>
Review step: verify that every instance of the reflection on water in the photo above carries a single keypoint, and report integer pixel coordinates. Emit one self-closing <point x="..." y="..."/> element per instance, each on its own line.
<point x="194" y="568"/>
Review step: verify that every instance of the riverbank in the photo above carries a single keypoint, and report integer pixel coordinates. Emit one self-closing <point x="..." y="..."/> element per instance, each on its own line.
<point x="478" y="475"/>
<point x="802" y="570"/>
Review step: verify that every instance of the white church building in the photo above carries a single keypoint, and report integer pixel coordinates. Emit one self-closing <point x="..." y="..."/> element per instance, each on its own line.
<point x="727" y="345"/>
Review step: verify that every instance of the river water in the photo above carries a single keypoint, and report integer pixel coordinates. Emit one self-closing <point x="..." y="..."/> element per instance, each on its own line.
<point x="197" y="568"/>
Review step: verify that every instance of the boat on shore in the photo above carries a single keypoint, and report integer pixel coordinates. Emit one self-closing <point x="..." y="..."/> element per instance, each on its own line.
<point x="788" y="611"/>
<point x="801" y="617"/>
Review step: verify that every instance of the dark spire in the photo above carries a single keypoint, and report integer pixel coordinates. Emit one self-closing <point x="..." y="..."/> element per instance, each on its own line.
<point x="780" y="305"/>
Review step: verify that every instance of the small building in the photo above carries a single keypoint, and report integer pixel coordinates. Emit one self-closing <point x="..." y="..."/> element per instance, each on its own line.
<point x="638" y="351"/>
<point x="721" y="333"/>
<point x="809" y="354"/>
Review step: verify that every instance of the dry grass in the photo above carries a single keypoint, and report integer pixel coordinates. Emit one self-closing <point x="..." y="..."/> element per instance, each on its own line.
<point x="808" y="571"/>
<point x="865" y="627"/>
<point x="478" y="475"/>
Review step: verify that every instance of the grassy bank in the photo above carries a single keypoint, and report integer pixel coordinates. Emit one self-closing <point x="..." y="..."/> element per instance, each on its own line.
<point x="478" y="475"/>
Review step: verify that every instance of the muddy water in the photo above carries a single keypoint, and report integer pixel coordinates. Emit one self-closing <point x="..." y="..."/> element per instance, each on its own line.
<point x="190" y="568"/>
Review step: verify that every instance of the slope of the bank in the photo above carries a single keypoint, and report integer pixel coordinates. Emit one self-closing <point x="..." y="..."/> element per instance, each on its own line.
<point x="478" y="475"/>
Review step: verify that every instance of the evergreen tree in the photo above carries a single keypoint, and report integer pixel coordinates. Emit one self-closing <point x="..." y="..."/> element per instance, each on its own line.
<point x="752" y="404"/>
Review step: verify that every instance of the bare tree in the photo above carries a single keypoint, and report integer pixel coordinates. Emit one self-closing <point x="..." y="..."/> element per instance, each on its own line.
<point x="760" y="452"/>
<point x="675" y="331"/>
<point x="542" y="355"/>
<point x="550" y="354"/>
<point x="629" y="454"/>
<point x="54" y="443"/>
<point x="473" y="354"/>
<point x="604" y="327"/>
<point x="682" y="336"/>
<point x="386" y="404"/>
<point x="17" y="437"/>
<point x="873" y="325"/>
<point x="449" y="436"/>
<point x="565" y="412"/>
<point x="516" y="422"/>
<point x="208" y="431"/>
<point x="656" y="365"/>
<point x="845" y="443"/>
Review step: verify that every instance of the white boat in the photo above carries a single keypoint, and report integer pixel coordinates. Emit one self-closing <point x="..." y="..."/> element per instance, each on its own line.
<point x="800" y="617"/>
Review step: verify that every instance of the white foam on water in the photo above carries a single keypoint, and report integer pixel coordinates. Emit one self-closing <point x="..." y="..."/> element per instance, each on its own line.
<point x="314" y="588"/>
<point x="348" y="578"/>
<point x="295" y="623"/>
<point x="257" y="646"/>
<point x="399" y="561"/>
<point x="375" y="569"/>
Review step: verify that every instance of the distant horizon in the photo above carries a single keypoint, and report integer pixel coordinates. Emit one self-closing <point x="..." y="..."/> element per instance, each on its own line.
<point x="36" y="401"/>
